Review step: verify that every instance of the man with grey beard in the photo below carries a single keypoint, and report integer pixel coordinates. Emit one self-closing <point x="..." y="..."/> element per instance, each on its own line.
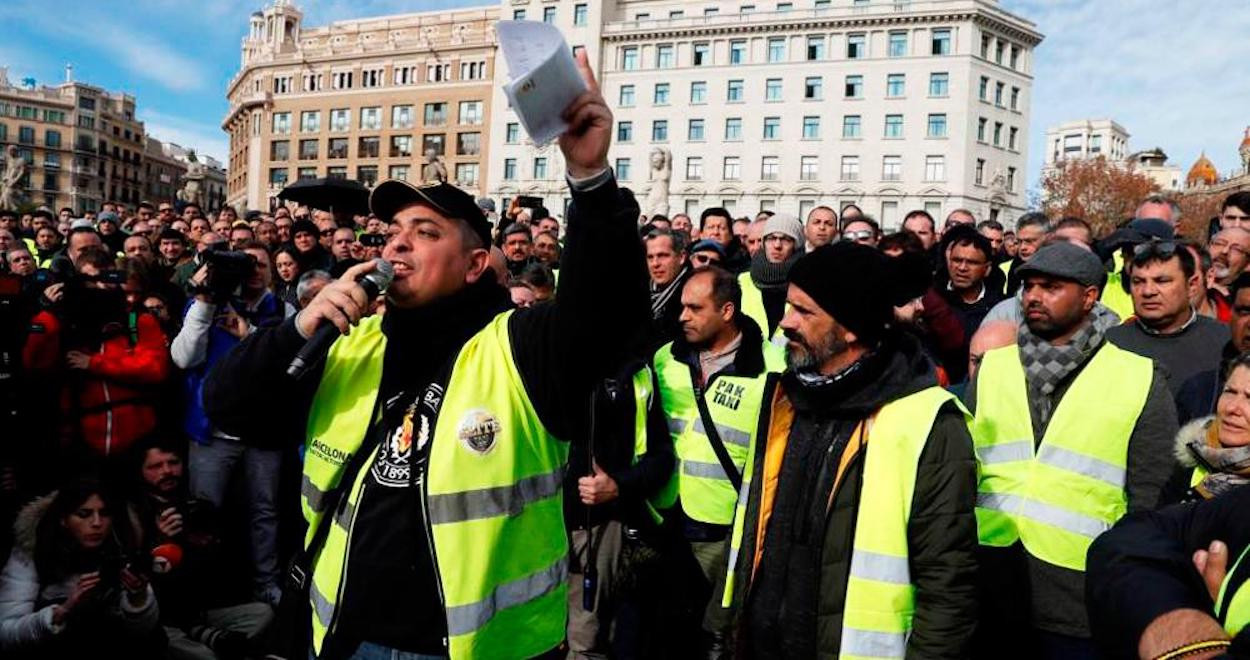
<point x="1230" y="254"/>
<point x="862" y="469"/>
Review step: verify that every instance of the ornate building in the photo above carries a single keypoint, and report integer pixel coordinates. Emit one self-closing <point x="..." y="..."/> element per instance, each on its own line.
<point x="1205" y="178"/>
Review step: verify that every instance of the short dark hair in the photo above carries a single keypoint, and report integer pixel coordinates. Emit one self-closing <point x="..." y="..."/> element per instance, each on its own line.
<point x="992" y="225"/>
<point x="659" y="217"/>
<point x="921" y="213"/>
<point x="1152" y="256"/>
<point x="1068" y="222"/>
<point x="678" y="238"/>
<point x="62" y="210"/>
<point x="876" y="228"/>
<point x="1240" y="200"/>
<point x="901" y="240"/>
<point x="725" y="286"/>
<point x="1034" y="219"/>
<point x="538" y="276"/>
<point x="147" y="205"/>
<point x="976" y="241"/>
<point x="97" y="256"/>
<point x="1242" y="282"/>
<point x="716" y="211"/>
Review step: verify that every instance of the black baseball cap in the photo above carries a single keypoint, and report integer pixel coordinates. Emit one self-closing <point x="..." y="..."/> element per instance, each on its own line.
<point x="392" y="195"/>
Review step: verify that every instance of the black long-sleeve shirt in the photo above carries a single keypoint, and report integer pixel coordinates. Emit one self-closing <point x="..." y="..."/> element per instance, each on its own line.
<point x="561" y="351"/>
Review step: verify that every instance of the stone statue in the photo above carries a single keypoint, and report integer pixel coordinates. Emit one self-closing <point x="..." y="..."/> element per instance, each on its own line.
<point x="192" y="190"/>
<point x="434" y="171"/>
<point x="15" y="167"/>
<point x="661" y="173"/>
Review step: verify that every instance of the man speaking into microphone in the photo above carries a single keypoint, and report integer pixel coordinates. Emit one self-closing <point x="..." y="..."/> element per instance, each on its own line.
<point x="436" y="435"/>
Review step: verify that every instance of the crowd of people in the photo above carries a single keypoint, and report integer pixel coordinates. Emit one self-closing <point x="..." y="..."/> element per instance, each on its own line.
<point x="812" y="439"/>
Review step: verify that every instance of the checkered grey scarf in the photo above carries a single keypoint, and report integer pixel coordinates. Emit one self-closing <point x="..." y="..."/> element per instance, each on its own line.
<point x="1046" y="365"/>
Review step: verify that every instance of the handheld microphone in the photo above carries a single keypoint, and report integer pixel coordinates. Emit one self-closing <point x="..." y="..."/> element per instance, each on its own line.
<point x="317" y="346"/>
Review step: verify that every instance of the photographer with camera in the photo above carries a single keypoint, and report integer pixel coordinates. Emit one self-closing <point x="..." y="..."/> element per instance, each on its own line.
<point x="201" y="613"/>
<point x="73" y="585"/>
<point x="106" y="361"/>
<point x="232" y="298"/>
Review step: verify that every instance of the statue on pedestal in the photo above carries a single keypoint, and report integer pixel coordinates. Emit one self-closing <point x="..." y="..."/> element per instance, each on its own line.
<point x="15" y="167"/>
<point x="661" y="162"/>
<point x="434" y="171"/>
<point x="192" y="191"/>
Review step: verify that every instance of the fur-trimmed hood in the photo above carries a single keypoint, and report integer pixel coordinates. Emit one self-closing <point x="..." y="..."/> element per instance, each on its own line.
<point x="1193" y="431"/>
<point x="26" y="526"/>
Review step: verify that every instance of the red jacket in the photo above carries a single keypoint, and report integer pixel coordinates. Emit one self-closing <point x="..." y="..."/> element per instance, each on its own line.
<point x="113" y="399"/>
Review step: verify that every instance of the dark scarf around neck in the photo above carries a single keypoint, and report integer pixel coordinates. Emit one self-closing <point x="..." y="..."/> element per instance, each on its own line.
<point x="770" y="276"/>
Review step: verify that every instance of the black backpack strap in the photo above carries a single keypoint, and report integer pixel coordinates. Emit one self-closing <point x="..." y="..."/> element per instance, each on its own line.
<point x="714" y="439"/>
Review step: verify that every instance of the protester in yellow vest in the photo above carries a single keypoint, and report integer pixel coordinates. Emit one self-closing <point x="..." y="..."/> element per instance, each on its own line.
<point x="436" y="435"/>
<point x="1071" y="432"/>
<point x="764" y="284"/>
<point x="1173" y="583"/>
<point x="856" y="538"/>
<point x="710" y="382"/>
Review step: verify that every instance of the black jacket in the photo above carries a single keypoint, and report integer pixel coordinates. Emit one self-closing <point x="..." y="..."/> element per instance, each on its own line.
<point x="1143" y="568"/>
<point x="793" y="605"/>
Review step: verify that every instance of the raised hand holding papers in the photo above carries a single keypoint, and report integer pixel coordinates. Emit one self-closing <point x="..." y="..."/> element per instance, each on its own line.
<point x="544" y="78"/>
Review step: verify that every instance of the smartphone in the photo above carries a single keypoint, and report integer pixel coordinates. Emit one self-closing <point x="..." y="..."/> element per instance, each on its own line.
<point x="528" y="202"/>
<point x="373" y="240"/>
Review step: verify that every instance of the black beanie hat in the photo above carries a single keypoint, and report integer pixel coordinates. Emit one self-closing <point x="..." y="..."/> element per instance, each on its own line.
<point x="306" y="226"/>
<point x="912" y="276"/>
<point x="852" y="282"/>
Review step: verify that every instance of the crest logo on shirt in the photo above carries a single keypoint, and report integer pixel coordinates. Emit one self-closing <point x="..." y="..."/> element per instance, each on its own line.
<point x="477" y="431"/>
<point x="393" y="465"/>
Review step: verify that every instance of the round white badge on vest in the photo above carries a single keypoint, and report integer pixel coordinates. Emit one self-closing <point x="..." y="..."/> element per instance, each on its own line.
<point x="477" y="431"/>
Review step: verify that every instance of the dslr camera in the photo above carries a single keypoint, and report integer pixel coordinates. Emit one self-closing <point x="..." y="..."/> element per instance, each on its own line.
<point x="227" y="271"/>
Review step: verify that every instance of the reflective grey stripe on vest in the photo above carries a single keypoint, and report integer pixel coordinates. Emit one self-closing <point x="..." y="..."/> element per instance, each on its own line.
<point x="728" y="435"/>
<point x="879" y="568"/>
<point x="464" y="619"/>
<point x="676" y="426"/>
<point x="1077" y="523"/>
<point x="321" y="605"/>
<point x="873" y="643"/>
<point x="1007" y="452"/>
<point x="493" y="502"/>
<point x="704" y="470"/>
<point x="1071" y="461"/>
<point x="315" y="496"/>
<point x="345" y="515"/>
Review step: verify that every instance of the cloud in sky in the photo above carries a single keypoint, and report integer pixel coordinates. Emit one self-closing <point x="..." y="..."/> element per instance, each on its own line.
<point x="205" y="139"/>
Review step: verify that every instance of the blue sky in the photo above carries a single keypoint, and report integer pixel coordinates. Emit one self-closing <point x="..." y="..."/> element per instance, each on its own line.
<point x="1173" y="73"/>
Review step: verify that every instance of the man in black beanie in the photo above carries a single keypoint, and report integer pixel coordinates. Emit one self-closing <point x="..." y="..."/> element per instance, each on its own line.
<point x="864" y="477"/>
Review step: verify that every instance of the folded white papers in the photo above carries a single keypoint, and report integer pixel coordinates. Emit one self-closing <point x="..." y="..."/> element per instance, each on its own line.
<point x="544" y="77"/>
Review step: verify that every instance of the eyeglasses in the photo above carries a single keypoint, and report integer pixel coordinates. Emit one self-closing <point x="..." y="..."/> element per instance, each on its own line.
<point x="1154" y="249"/>
<point x="857" y="236"/>
<point x="1231" y="247"/>
<point x="705" y="259"/>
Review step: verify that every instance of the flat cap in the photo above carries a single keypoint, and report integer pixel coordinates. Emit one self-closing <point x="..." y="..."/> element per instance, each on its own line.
<point x="1066" y="261"/>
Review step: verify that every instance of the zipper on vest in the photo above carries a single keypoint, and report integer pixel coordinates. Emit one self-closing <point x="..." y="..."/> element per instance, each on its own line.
<point x="429" y="540"/>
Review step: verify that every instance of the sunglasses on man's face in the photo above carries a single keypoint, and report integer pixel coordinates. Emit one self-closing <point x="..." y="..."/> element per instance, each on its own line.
<point x="858" y="236"/>
<point x="704" y="259"/>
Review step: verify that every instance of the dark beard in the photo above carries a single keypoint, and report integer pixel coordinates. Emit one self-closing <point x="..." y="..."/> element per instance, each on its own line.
<point x="809" y="357"/>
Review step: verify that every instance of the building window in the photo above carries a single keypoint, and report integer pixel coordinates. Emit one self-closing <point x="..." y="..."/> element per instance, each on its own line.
<point x="891" y="168"/>
<point x="397" y="172"/>
<point x="895" y="84"/>
<point x="737" y="51"/>
<point x="815" y="48"/>
<point x="401" y="116"/>
<point x="661" y="94"/>
<point x="1012" y="136"/>
<point x="627" y="96"/>
<point x="1011" y="179"/>
<point x="772" y="89"/>
<point x="769" y="166"/>
<point x="694" y="168"/>
<point x="434" y="142"/>
<point x="471" y="113"/>
<point x="472" y="70"/>
<point x="999" y="49"/>
<point x="695" y="130"/>
<point x="702" y="54"/>
<point x="809" y="168"/>
<point x="367" y="175"/>
<point x="368" y="147"/>
<point x="549" y="14"/>
<point x="979" y="175"/>
<point x="468" y="144"/>
<point x="898" y="44"/>
<point x="985" y="46"/>
<point x="1015" y="98"/>
<point x="277" y="176"/>
<point x="312" y="82"/>
<point x="850" y="168"/>
<point x="998" y="134"/>
<point x="1095" y="144"/>
<point x="811" y="128"/>
<point x="734" y="91"/>
<point x="518" y="14"/>
<point x="998" y="94"/>
<point x="279" y="149"/>
<point x="894" y="126"/>
<point x="937" y="125"/>
<point x="509" y="169"/>
<point x="698" y="92"/>
<point x="401" y="146"/>
<point x="676" y="13"/>
<point x="854" y="87"/>
<point x="466" y="174"/>
<point x="941" y="42"/>
<point x="512" y="133"/>
<point x="851" y="126"/>
<point x="981" y="123"/>
<point x="659" y="130"/>
<point x="540" y="168"/>
<point x="625" y="131"/>
<point x="776" y="49"/>
<point x="341" y="80"/>
<point x="310" y="121"/>
<point x="733" y="129"/>
<point x="772" y="128"/>
<point x="731" y="169"/>
<point x="1015" y="57"/>
<point x="935" y="168"/>
<point x="340" y="120"/>
<point x="307" y="172"/>
<point x="438" y="72"/>
<point x="435" y="114"/>
<point x="983" y="90"/>
<point x="281" y="123"/>
<point x="856" y="46"/>
<point x="622" y="169"/>
<point x="52" y="139"/>
<point x="337" y="148"/>
<point x="405" y="75"/>
<point x="664" y="56"/>
<point x="812" y="88"/>
<point x="939" y="84"/>
<point x="579" y="15"/>
<point x="371" y="118"/>
<point x="371" y="78"/>
<point x="282" y="85"/>
<point x="785" y="6"/>
<point x="629" y="58"/>
<point x="308" y="149"/>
